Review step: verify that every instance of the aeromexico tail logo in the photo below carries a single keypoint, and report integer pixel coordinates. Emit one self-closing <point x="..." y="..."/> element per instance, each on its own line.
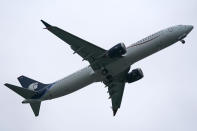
<point x="33" y="86"/>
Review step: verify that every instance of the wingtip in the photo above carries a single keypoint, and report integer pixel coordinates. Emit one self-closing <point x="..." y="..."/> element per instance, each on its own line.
<point x="45" y="23"/>
<point x="114" y="111"/>
<point x="6" y="84"/>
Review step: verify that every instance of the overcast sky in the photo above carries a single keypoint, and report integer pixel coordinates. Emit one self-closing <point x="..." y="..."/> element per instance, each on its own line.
<point x="164" y="100"/>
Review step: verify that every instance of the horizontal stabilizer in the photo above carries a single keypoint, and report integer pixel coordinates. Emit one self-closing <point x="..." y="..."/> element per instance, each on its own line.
<point x="35" y="106"/>
<point x="26" y="93"/>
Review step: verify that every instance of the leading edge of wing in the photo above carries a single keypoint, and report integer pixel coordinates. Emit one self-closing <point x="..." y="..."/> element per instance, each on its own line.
<point x="88" y="51"/>
<point x="63" y="32"/>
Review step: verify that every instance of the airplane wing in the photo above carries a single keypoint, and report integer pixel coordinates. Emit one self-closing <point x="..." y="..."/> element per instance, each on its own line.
<point x="90" y="52"/>
<point x="116" y="90"/>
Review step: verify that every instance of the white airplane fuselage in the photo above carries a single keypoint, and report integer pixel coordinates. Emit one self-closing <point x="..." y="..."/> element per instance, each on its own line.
<point x="135" y="52"/>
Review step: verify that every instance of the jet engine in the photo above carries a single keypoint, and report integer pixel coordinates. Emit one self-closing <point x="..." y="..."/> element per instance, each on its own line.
<point x="117" y="51"/>
<point x="134" y="75"/>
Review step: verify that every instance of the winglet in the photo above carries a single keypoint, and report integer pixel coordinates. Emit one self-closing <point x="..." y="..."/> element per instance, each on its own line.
<point x="46" y="24"/>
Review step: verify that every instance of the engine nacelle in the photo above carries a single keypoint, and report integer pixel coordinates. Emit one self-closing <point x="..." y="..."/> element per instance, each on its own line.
<point x="134" y="75"/>
<point x="117" y="51"/>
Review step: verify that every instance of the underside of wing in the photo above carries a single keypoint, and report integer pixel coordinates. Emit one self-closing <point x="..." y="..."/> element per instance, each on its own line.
<point x="88" y="51"/>
<point x="116" y="90"/>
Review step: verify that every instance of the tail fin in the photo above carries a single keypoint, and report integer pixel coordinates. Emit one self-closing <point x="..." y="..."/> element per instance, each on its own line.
<point x="30" y="83"/>
<point x="27" y="94"/>
<point x="31" y="91"/>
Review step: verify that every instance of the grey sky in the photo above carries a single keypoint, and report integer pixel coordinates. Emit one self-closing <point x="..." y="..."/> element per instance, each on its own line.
<point x="165" y="99"/>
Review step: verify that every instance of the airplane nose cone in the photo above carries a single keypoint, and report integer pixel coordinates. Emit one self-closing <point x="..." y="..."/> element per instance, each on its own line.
<point x="189" y="28"/>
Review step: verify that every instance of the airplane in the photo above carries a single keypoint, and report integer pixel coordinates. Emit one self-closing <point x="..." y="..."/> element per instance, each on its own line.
<point x="111" y="67"/>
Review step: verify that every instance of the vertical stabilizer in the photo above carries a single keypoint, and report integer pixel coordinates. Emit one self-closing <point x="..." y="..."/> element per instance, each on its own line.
<point x="30" y="83"/>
